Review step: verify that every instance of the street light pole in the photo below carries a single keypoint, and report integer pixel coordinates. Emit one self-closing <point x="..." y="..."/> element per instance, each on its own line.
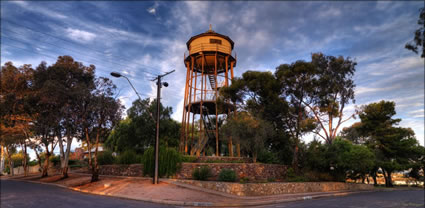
<point x="158" y="98"/>
<point x="116" y="74"/>
<point x="158" y="104"/>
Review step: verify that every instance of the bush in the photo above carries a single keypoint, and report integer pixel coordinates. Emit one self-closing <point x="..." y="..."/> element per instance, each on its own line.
<point x="291" y="176"/>
<point x="267" y="157"/>
<point x="128" y="157"/>
<point x="32" y="163"/>
<point x="169" y="159"/>
<point x="55" y="159"/>
<point x="189" y="159"/>
<point x="73" y="162"/>
<point x="201" y="173"/>
<point x="227" y="175"/>
<point x="104" y="158"/>
<point x="244" y="180"/>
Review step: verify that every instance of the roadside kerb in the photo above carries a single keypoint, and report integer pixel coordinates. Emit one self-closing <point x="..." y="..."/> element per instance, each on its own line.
<point x="206" y="204"/>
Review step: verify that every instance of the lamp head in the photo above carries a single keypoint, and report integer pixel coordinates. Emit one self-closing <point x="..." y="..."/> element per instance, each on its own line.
<point x="165" y="84"/>
<point x="116" y="74"/>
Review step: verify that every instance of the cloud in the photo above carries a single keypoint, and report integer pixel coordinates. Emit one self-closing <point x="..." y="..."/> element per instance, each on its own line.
<point x="152" y="10"/>
<point x="80" y="35"/>
<point x="33" y="7"/>
<point x="329" y="12"/>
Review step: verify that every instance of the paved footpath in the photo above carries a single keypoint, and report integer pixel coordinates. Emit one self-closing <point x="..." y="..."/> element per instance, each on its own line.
<point x="30" y="193"/>
<point x="384" y="199"/>
<point x="20" y="194"/>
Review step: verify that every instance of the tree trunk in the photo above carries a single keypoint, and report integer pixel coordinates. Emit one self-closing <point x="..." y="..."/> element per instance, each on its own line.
<point x="375" y="182"/>
<point x="38" y="158"/>
<point x="363" y="178"/>
<point x="254" y="157"/>
<point x="46" y="165"/>
<point x="66" y="157"/>
<point x="388" y="180"/>
<point x="95" y="167"/>
<point x="1" y="159"/>
<point x="295" y="158"/>
<point x="9" y="157"/>
<point x="25" y="162"/>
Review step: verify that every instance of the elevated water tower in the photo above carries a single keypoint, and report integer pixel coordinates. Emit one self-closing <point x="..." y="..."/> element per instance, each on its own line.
<point x="209" y="66"/>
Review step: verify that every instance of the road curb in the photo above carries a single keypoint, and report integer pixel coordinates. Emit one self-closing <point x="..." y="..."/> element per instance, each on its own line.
<point x="204" y="204"/>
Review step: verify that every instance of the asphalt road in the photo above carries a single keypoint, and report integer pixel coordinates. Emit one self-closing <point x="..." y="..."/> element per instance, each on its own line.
<point x="19" y="194"/>
<point x="384" y="199"/>
<point x="30" y="195"/>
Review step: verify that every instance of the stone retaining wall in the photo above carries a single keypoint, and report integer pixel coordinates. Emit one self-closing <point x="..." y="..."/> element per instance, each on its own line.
<point x="207" y="159"/>
<point x="253" y="171"/>
<point x="264" y="189"/>
<point x="122" y="170"/>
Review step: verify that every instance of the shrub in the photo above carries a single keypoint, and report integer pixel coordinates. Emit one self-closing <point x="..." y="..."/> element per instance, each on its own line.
<point x="291" y="176"/>
<point x="267" y="157"/>
<point x="32" y="163"/>
<point x="128" y="157"/>
<point x="244" y="180"/>
<point x="104" y="158"/>
<point x="55" y="159"/>
<point x="271" y="179"/>
<point x="189" y="159"/>
<point x="227" y="175"/>
<point x="169" y="159"/>
<point x="201" y="173"/>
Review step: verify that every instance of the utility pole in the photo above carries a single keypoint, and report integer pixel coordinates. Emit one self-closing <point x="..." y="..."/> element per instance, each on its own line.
<point x="158" y="104"/>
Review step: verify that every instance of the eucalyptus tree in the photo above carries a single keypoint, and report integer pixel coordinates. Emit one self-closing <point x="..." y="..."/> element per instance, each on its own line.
<point x="137" y="131"/>
<point x="297" y="81"/>
<point x="333" y="90"/>
<point x="15" y="122"/>
<point x="250" y="132"/>
<point x="102" y="111"/>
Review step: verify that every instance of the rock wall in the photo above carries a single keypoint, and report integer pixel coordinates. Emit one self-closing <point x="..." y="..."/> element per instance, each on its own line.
<point x="253" y="171"/>
<point x="207" y="159"/>
<point x="264" y="189"/>
<point x="121" y="170"/>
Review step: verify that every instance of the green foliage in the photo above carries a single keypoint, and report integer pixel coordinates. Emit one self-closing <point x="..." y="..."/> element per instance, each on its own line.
<point x="291" y="176"/>
<point x="127" y="157"/>
<point x="244" y="180"/>
<point x="250" y="132"/>
<point x="227" y="175"/>
<point x="341" y="160"/>
<point x="201" y="173"/>
<point x="395" y="148"/>
<point x="169" y="159"/>
<point x="32" y="163"/>
<point x="267" y="157"/>
<point x="106" y="158"/>
<point x="137" y="131"/>
<point x="189" y="159"/>
<point x="55" y="159"/>
<point x="418" y="42"/>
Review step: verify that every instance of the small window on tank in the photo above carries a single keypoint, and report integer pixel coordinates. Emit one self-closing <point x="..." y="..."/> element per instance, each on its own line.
<point x="217" y="41"/>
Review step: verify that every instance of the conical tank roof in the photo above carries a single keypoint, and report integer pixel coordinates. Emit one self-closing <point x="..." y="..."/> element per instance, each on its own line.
<point x="210" y="32"/>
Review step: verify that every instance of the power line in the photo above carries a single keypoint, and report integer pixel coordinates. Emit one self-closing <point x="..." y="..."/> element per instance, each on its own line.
<point x="95" y="58"/>
<point x="32" y="51"/>
<point x="72" y="42"/>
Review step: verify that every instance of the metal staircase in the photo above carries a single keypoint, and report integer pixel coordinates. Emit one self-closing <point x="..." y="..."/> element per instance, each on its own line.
<point x="213" y="81"/>
<point x="199" y="145"/>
